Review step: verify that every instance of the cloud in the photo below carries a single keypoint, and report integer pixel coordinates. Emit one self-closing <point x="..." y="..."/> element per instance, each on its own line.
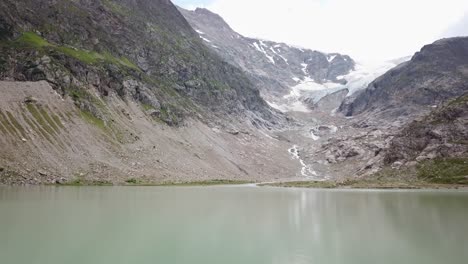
<point x="458" y="29"/>
<point x="369" y="30"/>
<point x="192" y="4"/>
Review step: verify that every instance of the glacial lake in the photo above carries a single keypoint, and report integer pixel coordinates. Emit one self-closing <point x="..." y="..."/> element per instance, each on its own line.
<point x="218" y="225"/>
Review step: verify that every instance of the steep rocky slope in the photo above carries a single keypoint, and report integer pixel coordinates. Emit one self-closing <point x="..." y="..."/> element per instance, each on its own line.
<point x="125" y="90"/>
<point x="442" y="134"/>
<point x="144" y="49"/>
<point x="377" y="136"/>
<point x="45" y="138"/>
<point x="437" y="73"/>
<point x="276" y="67"/>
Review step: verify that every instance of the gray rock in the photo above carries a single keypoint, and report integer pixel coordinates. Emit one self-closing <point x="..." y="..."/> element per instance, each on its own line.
<point x="271" y="65"/>
<point x="329" y="102"/>
<point x="433" y="76"/>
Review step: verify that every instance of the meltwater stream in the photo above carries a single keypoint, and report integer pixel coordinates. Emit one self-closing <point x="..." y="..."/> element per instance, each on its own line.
<point x="212" y="225"/>
<point x="306" y="169"/>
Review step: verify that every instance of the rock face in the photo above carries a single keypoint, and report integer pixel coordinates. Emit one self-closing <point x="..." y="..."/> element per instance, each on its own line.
<point x="274" y="66"/>
<point x="441" y="134"/>
<point x="110" y="91"/>
<point x="329" y="102"/>
<point x="139" y="49"/>
<point x="410" y="123"/>
<point x="437" y="73"/>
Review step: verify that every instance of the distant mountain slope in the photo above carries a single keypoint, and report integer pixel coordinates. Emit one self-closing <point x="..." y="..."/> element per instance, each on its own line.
<point x="141" y="48"/>
<point x="437" y="73"/>
<point x="436" y="146"/>
<point x="441" y="134"/>
<point x="115" y="91"/>
<point x="275" y="66"/>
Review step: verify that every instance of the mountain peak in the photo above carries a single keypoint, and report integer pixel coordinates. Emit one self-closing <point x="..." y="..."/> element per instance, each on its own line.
<point x="206" y="17"/>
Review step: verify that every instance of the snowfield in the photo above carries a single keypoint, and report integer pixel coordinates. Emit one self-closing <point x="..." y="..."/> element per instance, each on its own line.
<point x="307" y="88"/>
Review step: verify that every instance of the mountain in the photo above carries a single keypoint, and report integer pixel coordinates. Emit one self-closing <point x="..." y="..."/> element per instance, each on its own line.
<point x="437" y="145"/>
<point x="412" y="120"/>
<point x="440" y="134"/>
<point x="146" y="42"/>
<point x="275" y="67"/>
<point x="123" y="90"/>
<point x="436" y="74"/>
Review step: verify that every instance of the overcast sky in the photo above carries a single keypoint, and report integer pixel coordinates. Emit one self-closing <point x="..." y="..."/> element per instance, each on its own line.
<point x="368" y="30"/>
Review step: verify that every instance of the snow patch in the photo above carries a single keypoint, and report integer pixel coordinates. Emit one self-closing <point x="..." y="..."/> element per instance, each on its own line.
<point x="263" y="44"/>
<point x="257" y="47"/>
<point x="199" y="32"/>
<point x="285" y="60"/>
<point x="296" y="106"/>
<point x="270" y="58"/>
<point x="314" y="137"/>
<point x="205" y="39"/>
<point x="304" y="68"/>
<point x="279" y="55"/>
<point x="331" y="58"/>
<point x="313" y="90"/>
<point x="364" y="74"/>
<point x="309" y="85"/>
<point x="356" y="80"/>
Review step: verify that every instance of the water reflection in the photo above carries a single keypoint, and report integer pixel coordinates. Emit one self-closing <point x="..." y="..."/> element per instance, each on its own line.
<point x="230" y="225"/>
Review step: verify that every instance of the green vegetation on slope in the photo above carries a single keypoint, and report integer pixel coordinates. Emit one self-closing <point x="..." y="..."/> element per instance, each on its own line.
<point x="91" y="119"/>
<point x="40" y="119"/>
<point x="445" y="171"/>
<point x="32" y="40"/>
<point x="137" y="182"/>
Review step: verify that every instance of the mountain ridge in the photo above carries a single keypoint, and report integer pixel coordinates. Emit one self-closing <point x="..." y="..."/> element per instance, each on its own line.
<point x="434" y="75"/>
<point x="111" y="91"/>
<point x="275" y="67"/>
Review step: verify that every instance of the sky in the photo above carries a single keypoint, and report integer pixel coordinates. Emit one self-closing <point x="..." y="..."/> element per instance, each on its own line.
<point x="367" y="30"/>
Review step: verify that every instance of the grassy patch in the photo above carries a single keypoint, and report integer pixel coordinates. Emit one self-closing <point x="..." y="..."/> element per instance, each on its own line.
<point x="88" y="57"/>
<point x="444" y="171"/>
<point x="39" y="118"/>
<point x="57" y="121"/>
<point x="459" y="100"/>
<point x="364" y="184"/>
<point x="83" y="182"/>
<point x="91" y="119"/>
<point x="132" y="181"/>
<point x="79" y="94"/>
<point x="36" y="128"/>
<point x="32" y="40"/>
<point x="3" y="64"/>
<point x="7" y="124"/>
<point x="217" y="85"/>
<point x="122" y="61"/>
<point x="206" y="183"/>
<point x="16" y="124"/>
<point x="382" y="184"/>
<point x="48" y="119"/>
<point x="147" y="107"/>
<point x="117" y="8"/>
<point x="3" y="130"/>
<point x="304" y="184"/>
